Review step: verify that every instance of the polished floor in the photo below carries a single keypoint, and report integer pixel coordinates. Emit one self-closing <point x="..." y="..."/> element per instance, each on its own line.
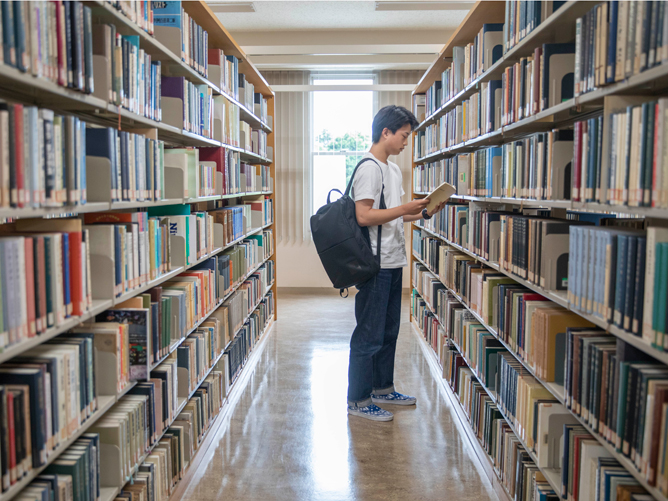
<point x="289" y="436"/>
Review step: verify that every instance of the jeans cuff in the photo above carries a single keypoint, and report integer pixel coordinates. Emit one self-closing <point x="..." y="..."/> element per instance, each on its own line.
<point x="362" y="403"/>
<point x="385" y="391"/>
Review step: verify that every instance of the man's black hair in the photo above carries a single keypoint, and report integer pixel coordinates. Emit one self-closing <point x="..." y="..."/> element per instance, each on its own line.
<point x="391" y="117"/>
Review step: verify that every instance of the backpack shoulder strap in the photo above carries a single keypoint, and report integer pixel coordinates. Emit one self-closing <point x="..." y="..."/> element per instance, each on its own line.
<point x="381" y="204"/>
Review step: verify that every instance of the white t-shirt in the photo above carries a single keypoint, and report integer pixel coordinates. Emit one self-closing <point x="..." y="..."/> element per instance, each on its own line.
<point x="367" y="186"/>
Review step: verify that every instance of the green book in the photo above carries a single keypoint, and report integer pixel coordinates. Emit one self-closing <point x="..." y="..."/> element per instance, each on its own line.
<point x="661" y="286"/>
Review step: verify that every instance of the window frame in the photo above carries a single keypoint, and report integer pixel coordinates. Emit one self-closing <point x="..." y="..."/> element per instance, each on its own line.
<point x="312" y="140"/>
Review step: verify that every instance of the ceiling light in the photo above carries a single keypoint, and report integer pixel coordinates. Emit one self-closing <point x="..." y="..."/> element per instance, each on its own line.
<point x="407" y="5"/>
<point x="232" y="6"/>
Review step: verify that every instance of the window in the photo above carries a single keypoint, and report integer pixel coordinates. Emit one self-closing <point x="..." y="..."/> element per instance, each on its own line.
<point x="341" y="133"/>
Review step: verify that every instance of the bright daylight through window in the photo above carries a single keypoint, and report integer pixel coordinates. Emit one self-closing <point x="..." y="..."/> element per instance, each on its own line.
<point x="341" y="134"/>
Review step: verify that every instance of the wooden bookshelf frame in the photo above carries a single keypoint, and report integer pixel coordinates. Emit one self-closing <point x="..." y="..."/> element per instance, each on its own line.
<point x="26" y="88"/>
<point x="560" y="26"/>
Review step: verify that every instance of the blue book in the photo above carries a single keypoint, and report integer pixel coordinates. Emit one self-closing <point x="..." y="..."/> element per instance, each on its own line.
<point x="67" y="292"/>
<point x="637" y="318"/>
<point x="22" y="56"/>
<point x="629" y="299"/>
<point x="622" y="257"/>
<point x="34" y="379"/>
<point x="8" y="41"/>
<point x="167" y="13"/>
<point x="646" y="172"/>
<point x="101" y="142"/>
<point x="613" y="9"/>
<point x="49" y="275"/>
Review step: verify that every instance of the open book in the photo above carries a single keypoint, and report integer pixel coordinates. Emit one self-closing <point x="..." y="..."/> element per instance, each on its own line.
<point x="439" y="195"/>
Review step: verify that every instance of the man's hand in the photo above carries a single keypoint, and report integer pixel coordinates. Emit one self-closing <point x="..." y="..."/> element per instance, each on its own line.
<point x="438" y="208"/>
<point x="414" y="207"/>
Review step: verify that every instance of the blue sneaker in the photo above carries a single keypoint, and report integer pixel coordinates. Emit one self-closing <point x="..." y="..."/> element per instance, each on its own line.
<point x="395" y="398"/>
<point x="371" y="411"/>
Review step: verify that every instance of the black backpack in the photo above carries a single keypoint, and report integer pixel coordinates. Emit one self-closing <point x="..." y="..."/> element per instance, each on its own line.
<point x="343" y="245"/>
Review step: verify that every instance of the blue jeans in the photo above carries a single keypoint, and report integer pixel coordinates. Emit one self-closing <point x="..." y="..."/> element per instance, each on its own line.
<point x="374" y="340"/>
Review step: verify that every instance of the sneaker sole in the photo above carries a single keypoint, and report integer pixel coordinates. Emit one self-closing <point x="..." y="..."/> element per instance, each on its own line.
<point x="370" y="417"/>
<point x="393" y="402"/>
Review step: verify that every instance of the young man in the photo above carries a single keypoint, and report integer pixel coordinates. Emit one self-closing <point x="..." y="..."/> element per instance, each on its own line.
<point x="378" y="301"/>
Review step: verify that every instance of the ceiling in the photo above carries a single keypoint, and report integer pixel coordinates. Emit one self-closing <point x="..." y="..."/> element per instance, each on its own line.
<point x="343" y="35"/>
<point x="325" y="14"/>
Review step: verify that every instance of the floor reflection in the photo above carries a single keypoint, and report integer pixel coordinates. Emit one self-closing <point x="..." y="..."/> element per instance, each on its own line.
<point x="290" y="438"/>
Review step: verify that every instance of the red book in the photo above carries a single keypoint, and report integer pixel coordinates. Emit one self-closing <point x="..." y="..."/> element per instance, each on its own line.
<point x="30" y="285"/>
<point x="76" y="276"/>
<point x="40" y="284"/>
<point x="215" y="55"/>
<point x="578" y="163"/>
<point x="112" y="217"/>
<point x="61" y="70"/>
<point x="19" y="196"/>
<point x="217" y="155"/>
<point x="12" y="437"/>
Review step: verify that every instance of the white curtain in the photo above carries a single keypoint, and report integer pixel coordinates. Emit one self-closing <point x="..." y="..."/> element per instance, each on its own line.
<point x="292" y="157"/>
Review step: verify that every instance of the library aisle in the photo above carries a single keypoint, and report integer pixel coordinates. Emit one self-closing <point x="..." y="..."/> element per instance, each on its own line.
<point x="289" y="436"/>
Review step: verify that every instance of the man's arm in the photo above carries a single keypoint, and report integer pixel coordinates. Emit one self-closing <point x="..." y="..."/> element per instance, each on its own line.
<point x="417" y="217"/>
<point x="368" y="216"/>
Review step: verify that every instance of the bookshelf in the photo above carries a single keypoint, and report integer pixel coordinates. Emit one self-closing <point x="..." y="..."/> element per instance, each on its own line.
<point x="427" y="310"/>
<point x="224" y="374"/>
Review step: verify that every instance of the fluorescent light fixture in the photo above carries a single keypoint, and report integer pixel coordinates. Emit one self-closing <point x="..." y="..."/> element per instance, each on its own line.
<point x="418" y="5"/>
<point x="232" y="6"/>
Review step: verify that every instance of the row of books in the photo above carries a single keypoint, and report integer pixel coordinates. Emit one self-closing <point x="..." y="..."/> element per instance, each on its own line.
<point x="246" y="93"/>
<point x="133" y="163"/>
<point x="616" y="40"/>
<point x="619" y="157"/>
<point x="138" y="12"/>
<point x="51" y="40"/>
<point x="165" y="466"/>
<point x="237" y="351"/>
<point x="258" y="141"/>
<point x="542" y="421"/>
<point x="75" y="476"/>
<point x="194" y="39"/>
<point x="478" y="115"/>
<point x="582" y="353"/>
<point x="195" y="228"/>
<point x="188" y="106"/>
<point x="620" y="394"/>
<point x="125" y="74"/>
<point x="46" y="396"/>
<point x="468" y="63"/>
<point x="43" y="157"/>
<point x="239" y="260"/>
<point x="137" y="246"/>
<point x="489" y="361"/>
<point x="524" y="16"/>
<point x="186" y="433"/>
<point x="224" y="72"/>
<point x="125" y="333"/>
<point x="47" y="266"/>
<point x="227" y="125"/>
<point x="516" y="470"/>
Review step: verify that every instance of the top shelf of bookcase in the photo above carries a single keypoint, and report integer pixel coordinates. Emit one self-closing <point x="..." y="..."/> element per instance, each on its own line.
<point x="481" y="13"/>
<point x="553" y="29"/>
<point x="221" y="38"/>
